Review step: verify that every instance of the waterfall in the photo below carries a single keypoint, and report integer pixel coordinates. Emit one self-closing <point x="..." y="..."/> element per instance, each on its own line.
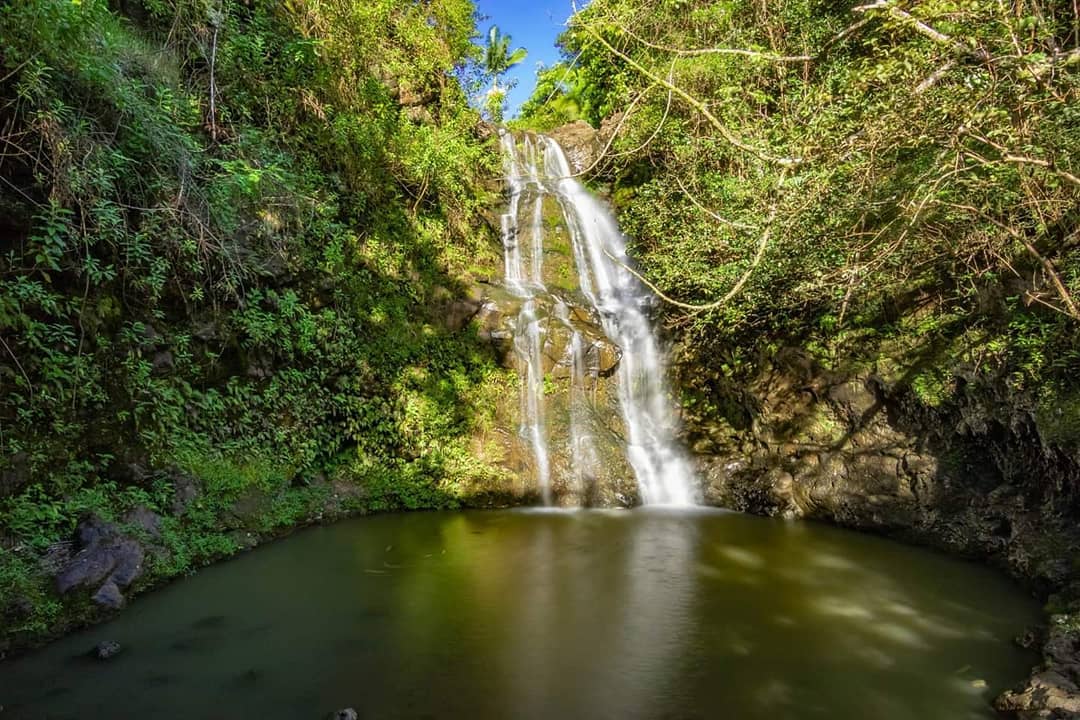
<point x="522" y="175"/>
<point x="536" y="172"/>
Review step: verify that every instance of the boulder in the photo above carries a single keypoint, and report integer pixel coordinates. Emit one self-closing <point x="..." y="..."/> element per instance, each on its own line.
<point x="345" y="714"/>
<point x="1048" y="694"/>
<point x="106" y="560"/>
<point x="109" y="596"/>
<point x="144" y="519"/>
<point x="162" y="362"/>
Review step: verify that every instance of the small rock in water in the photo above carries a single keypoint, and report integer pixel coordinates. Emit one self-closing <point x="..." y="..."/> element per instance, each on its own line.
<point x="1029" y="638"/>
<point x="107" y="649"/>
<point x="979" y="684"/>
<point x="346" y="714"/>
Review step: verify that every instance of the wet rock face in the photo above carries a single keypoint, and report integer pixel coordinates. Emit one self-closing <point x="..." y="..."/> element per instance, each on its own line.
<point x="582" y="414"/>
<point x="583" y="419"/>
<point x="851" y="449"/>
<point x="585" y="431"/>
<point x="581" y="142"/>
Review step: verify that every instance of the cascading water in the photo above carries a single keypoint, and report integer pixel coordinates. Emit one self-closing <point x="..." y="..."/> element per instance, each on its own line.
<point x="538" y="171"/>
<point x="527" y="332"/>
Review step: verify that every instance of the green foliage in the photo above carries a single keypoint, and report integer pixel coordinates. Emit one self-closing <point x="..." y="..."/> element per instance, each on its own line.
<point x="497" y="60"/>
<point x="227" y="231"/>
<point x="561" y="96"/>
<point x="882" y="186"/>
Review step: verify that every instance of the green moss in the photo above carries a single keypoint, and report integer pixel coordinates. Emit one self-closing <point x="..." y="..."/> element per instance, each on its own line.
<point x="1058" y="415"/>
<point x="824" y="426"/>
<point x="224" y="478"/>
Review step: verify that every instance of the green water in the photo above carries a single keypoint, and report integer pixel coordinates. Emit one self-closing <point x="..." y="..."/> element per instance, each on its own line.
<point x="516" y="614"/>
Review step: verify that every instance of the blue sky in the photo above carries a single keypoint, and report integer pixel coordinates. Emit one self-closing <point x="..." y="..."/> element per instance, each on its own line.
<point x="532" y="24"/>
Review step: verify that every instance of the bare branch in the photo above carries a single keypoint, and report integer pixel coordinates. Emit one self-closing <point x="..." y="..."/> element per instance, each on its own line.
<point x="1047" y="266"/>
<point x="771" y="57"/>
<point x="707" y="211"/>
<point x="213" y="86"/>
<point x="29" y="385"/>
<point x="659" y="126"/>
<point x="614" y="134"/>
<point x="1049" y="165"/>
<point x="934" y="78"/>
<point x="698" y="105"/>
<point x="737" y="288"/>
<point x="922" y="28"/>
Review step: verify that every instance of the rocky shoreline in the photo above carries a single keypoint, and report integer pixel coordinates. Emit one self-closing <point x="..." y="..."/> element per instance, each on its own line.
<point x="976" y="478"/>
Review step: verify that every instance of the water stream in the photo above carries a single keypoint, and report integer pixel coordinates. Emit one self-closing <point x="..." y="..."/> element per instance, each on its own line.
<point x="537" y="170"/>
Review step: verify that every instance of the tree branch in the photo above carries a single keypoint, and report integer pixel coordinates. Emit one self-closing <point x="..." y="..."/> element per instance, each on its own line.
<point x="698" y="105"/>
<point x="771" y="57"/>
<point x="1047" y="266"/>
<point x="922" y="28"/>
<point x="707" y="211"/>
<point x="758" y="255"/>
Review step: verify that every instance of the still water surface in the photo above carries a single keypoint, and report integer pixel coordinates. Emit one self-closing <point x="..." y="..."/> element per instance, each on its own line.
<point x="517" y="614"/>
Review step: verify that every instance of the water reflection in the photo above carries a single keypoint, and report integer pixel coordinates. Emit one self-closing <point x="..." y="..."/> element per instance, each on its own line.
<point x="537" y="615"/>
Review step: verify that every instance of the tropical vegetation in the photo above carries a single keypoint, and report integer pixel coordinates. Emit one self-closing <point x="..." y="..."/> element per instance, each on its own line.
<point x="229" y="233"/>
<point x="891" y="184"/>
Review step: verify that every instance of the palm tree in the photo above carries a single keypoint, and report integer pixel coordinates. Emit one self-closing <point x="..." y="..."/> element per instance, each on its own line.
<point x="497" y="56"/>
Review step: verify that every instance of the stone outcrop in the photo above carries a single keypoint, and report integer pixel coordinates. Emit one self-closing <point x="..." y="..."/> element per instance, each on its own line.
<point x="1053" y="691"/>
<point x="581" y="143"/>
<point x="106" y="561"/>
<point x="106" y="650"/>
<point x="563" y="311"/>
<point x="493" y="316"/>
<point x="801" y="441"/>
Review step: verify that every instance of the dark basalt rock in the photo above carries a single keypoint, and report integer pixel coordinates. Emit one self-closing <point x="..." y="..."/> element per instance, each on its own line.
<point x="15" y="475"/>
<point x="146" y="520"/>
<point x="106" y="650"/>
<point x="346" y="714"/>
<point x="209" y="331"/>
<point x="162" y="362"/>
<point x="185" y="491"/>
<point x="109" y="596"/>
<point x="106" y="559"/>
<point x="1053" y="690"/>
